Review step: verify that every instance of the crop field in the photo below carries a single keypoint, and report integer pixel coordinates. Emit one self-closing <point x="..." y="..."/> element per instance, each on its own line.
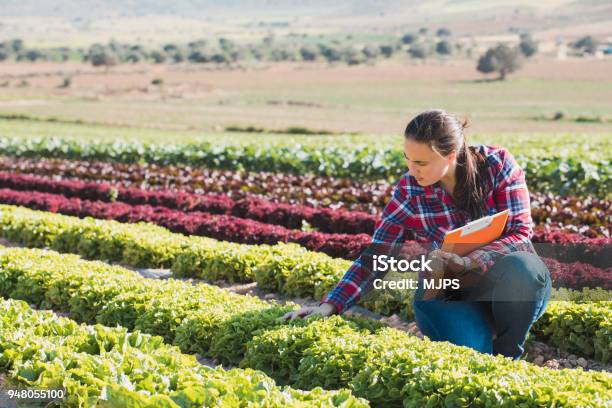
<point x="159" y="218"/>
<point x="287" y="217"/>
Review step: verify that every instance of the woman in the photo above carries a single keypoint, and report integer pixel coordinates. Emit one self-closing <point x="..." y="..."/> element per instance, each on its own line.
<point x="505" y="286"/>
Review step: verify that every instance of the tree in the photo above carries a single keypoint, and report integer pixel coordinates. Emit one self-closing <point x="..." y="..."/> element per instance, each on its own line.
<point x="137" y="48"/>
<point x="501" y="59"/>
<point x="170" y="48"/>
<point x="586" y="44"/>
<point x="331" y="54"/>
<point x="444" y="47"/>
<point x="30" y="55"/>
<point x="370" y="51"/>
<point x="226" y="45"/>
<point x="220" y="58"/>
<point x="198" y="56"/>
<point x="103" y="58"/>
<point x="134" y="56"/>
<point x="158" y="57"/>
<point x="527" y="45"/>
<point x="308" y="53"/>
<point x="229" y="50"/>
<point x="417" y="51"/>
<point x="16" y="44"/>
<point x="423" y="30"/>
<point x="408" y="38"/>
<point x="387" y="50"/>
<point x="178" y="56"/>
<point x="486" y="63"/>
<point x="238" y="54"/>
<point x="3" y="55"/>
<point x="353" y="57"/>
<point x="280" y="54"/>
<point x="135" y="53"/>
<point x="443" y="32"/>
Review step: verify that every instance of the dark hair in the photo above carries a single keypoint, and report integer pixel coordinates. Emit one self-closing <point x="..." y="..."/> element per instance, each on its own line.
<point x="443" y="132"/>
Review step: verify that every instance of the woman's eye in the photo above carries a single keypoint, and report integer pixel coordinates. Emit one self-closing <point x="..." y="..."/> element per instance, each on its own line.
<point x="415" y="163"/>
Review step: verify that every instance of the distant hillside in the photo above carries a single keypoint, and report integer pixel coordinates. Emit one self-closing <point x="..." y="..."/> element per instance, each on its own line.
<point x="54" y="20"/>
<point x="291" y="8"/>
<point x="185" y="8"/>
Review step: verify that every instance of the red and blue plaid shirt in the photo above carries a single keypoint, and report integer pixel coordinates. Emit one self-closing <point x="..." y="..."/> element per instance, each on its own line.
<point x="428" y="212"/>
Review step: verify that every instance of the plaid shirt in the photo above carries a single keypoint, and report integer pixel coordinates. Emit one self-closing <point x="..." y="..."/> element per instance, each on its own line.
<point x="428" y="212"/>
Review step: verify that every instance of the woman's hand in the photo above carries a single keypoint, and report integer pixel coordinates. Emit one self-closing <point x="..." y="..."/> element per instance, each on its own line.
<point x="443" y="262"/>
<point x="453" y="262"/>
<point x="438" y="266"/>
<point x="325" y="309"/>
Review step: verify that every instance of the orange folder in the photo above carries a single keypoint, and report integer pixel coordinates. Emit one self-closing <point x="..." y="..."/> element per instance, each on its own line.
<point x="475" y="234"/>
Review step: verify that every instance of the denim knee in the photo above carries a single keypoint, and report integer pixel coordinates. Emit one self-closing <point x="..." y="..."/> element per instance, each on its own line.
<point x="519" y="276"/>
<point x="461" y="323"/>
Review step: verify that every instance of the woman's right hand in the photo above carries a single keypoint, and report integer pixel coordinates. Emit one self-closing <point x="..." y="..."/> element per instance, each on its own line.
<point x="437" y="273"/>
<point x="325" y="309"/>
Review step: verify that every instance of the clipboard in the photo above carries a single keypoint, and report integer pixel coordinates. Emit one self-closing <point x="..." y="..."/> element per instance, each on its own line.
<point x="475" y="234"/>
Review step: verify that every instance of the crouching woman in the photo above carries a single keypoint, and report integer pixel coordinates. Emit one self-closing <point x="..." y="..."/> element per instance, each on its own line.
<point x="504" y="285"/>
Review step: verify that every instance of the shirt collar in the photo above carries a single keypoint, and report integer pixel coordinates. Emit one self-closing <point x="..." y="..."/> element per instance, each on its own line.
<point x="413" y="189"/>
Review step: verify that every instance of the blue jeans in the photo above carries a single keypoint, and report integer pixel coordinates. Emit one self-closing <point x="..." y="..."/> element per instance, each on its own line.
<point x="507" y="303"/>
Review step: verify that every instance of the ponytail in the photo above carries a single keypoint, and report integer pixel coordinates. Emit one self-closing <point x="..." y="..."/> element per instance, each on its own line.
<point x="445" y="133"/>
<point x="471" y="188"/>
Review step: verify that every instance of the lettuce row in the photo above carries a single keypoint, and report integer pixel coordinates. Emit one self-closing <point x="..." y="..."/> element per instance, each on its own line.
<point x="391" y="368"/>
<point x="282" y="268"/>
<point x="565" y="175"/>
<point x="111" y="367"/>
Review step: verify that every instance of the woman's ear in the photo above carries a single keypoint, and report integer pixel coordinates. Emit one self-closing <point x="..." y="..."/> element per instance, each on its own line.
<point x="452" y="157"/>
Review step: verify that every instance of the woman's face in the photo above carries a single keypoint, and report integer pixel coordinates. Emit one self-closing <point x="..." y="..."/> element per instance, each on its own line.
<point x="425" y="164"/>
